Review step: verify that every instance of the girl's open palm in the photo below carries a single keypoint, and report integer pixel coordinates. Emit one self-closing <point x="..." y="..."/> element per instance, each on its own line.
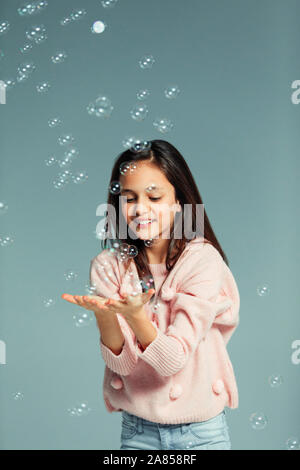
<point x="129" y="306"/>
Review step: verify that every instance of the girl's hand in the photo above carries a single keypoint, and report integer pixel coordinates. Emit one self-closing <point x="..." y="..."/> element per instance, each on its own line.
<point x="90" y="302"/>
<point x="130" y="307"/>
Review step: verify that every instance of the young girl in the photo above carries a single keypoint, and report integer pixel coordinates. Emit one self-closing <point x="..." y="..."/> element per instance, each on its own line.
<point x="167" y="367"/>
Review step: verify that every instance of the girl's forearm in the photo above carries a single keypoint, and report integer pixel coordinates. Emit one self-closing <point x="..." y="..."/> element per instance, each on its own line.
<point x="111" y="333"/>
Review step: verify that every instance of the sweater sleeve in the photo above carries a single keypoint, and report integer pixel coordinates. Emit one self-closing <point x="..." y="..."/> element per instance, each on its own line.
<point x="193" y="308"/>
<point x="105" y="281"/>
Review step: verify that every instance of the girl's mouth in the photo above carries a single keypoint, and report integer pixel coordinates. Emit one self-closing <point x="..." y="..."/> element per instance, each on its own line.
<point x="145" y="224"/>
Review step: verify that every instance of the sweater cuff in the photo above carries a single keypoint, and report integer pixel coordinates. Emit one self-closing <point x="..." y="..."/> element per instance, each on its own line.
<point x="123" y="363"/>
<point x="164" y="354"/>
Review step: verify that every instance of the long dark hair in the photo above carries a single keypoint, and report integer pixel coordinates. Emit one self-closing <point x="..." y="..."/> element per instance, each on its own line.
<point x="170" y="161"/>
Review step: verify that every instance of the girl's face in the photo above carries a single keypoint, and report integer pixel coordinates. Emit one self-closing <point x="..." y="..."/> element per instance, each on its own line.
<point x="147" y="195"/>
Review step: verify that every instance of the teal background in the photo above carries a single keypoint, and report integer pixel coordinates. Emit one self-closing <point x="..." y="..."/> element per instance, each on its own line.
<point x="237" y="128"/>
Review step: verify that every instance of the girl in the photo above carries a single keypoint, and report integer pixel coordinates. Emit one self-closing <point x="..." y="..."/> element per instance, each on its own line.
<point x="167" y="367"/>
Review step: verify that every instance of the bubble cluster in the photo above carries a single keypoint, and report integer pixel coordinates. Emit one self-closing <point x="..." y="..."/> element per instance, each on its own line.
<point x="80" y="177"/>
<point x="127" y="168"/>
<point x="163" y="125"/>
<point x="101" y="107"/>
<point x="140" y="146"/>
<point x="36" y="33"/>
<point x="108" y="3"/>
<point x="146" y="62"/>
<point x="32" y="8"/>
<point x="4" y="27"/>
<point x="139" y="112"/>
<point x="98" y="27"/>
<point x="54" y="122"/>
<point x="172" y="91"/>
<point x="84" y="318"/>
<point x="43" y="87"/>
<point x="25" y="70"/>
<point x="59" y="57"/>
<point x="63" y="178"/>
<point x="263" y="290"/>
<point x="9" y="83"/>
<point x="142" y="94"/>
<point x="69" y="156"/>
<point x="6" y="241"/>
<point x="50" y="161"/>
<point x="115" y="187"/>
<point x="66" y="139"/>
<point x="80" y="409"/>
<point x="258" y="421"/>
<point x="275" y="380"/>
<point x="26" y="48"/>
<point x="3" y="207"/>
<point x="75" y="15"/>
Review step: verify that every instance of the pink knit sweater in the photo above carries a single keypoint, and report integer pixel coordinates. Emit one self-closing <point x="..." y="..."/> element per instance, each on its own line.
<point x="185" y="374"/>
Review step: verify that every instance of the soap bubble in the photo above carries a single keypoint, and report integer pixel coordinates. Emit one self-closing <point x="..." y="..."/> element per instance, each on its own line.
<point x="84" y="318"/>
<point x="1" y="54"/>
<point x="128" y="142"/>
<point x="66" y="139"/>
<point x="258" y="421"/>
<point x="25" y="70"/>
<point x="60" y="184"/>
<point x="6" y="241"/>
<point x="43" y="87"/>
<point x="292" y="443"/>
<point x="70" y="275"/>
<point x="54" y="122"/>
<point x="36" y="33"/>
<point x="59" y="57"/>
<point x="163" y="125"/>
<point x="98" y="27"/>
<point x="65" y="21"/>
<point x="77" y="14"/>
<point x="80" y="177"/>
<point x="18" y="395"/>
<point x="4" y="27"/>
<point x="139" y="112"/>
<point x="140" y="146"/>
<point x="142" y="94"/>
<point x="127" y="168"/>
<point x="50" y="161"/>
<point x="108" y="3"/>
<point x="172" y="91"/>
<point x="80" y="409"/>
<point x="3" y="207"/>
<point x="115" y="187"/>
<point x="149" y="242"/>
<point x="263" y="290"/>
<point x="132" y="251"/>
<point x="148" y="282"/>
<point x="72" y="153"/>
<point x="146" y="62"/>
<point x="48" y="302"/>
<point x="101" y="107"/>
<point x="275" y="380"/>
<point x="26" y="48"/>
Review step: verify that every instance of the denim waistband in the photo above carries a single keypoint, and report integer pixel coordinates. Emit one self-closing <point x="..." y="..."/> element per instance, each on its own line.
<point x="137" y="420"/>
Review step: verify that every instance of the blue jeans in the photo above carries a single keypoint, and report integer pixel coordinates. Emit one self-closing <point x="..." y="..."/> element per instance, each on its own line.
<point x="141" y="434"/>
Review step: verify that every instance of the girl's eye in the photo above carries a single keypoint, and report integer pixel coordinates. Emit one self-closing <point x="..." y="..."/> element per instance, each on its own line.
<point x="152" y="199"/>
